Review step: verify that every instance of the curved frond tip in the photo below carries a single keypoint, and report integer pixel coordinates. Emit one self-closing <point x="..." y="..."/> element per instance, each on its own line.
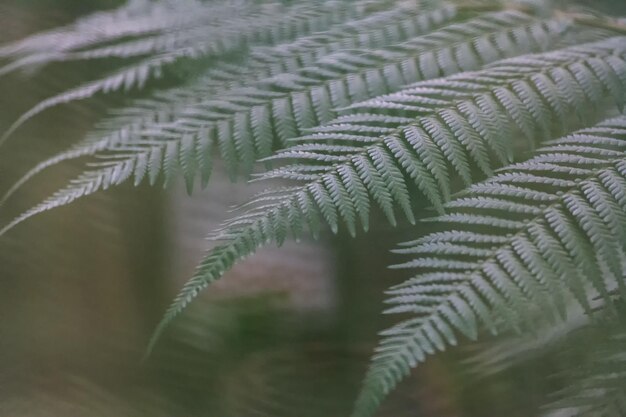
<point x="246" y="123"/>
<point x="339" y="183"/>
<point x="536" y="236"/>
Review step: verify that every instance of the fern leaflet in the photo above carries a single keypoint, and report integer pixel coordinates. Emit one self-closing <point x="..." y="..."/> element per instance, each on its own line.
<point x="562" y="215"/>
<point x="380" y="151"/>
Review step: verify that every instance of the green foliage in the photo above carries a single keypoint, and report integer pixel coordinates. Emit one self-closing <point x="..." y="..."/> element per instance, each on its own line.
<point x="445" y="125"/>
<point x="376" y="105"/>
<point x="556" y="231"/>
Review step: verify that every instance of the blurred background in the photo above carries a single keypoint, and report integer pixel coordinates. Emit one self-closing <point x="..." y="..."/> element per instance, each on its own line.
<point x="286" y="333"/>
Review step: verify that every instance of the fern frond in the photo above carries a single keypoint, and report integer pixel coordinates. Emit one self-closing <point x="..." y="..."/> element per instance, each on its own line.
<point x="309" y="96"/>
<point x="164" y="24"/>
<point x="367" y="15"/>
<point x="244" y="124"/>
<point x="266" y="26"/>
<point x="163" y="41"/>
<point x="137" y="18"/>
<point x="570" y="245"/>
<point x="374" y="30"/>
<point x="384" y="105"/>
<point x="264" y="63"/>
<point x="170" y="30"/>
<point x="392" y="151"/>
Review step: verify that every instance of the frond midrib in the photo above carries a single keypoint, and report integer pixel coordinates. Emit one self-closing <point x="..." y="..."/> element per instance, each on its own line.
<point x="240" y="246"/>
<point x="407" y="342"/>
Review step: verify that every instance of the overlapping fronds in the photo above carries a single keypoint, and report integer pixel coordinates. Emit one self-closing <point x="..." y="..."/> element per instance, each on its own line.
<point x="538" y="234"/>
<point x="271" y="84"/>
<point x="213" y="36"/>
<point x="389" y="105"/>
<point x="447" y="126"/>
<point x="136" y="18"/>
<point x="269" y="112"/>
<point x="167" y="26"/>
<point x="250" y="122"/>
<point x="374" y="30"/>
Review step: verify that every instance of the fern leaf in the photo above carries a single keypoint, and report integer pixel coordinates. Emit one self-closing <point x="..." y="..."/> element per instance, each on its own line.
<point x="168" y="36"/>
<point x="263" y="62"/>
<point x="382" y="105"/>
<point x="252" y="120"/>
<point x="135" y="19"/>
<point x="271" y="26"/>
<point x="167" y="33"/>
<point x="253" y="228"/>
<point x="550" y="253"/>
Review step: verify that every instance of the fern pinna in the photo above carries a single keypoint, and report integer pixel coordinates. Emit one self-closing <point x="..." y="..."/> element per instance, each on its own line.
<point x="445" y="125"/>
<point x="376" y="105"/>
<point x="245" y="123"/>
<point x="535" y="235"/>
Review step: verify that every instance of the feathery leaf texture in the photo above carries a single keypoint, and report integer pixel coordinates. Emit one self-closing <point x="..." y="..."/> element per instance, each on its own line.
<point x="165" y="26"/>
<point x="208" y="101"/>
<point x="382" y="152"/>
<point x="130" y="31"/>
<point x="363" y="105"/>
<point x="537" y="234"/>
<point x="244" y="124"/>
<point x="175" y="29"/>
<point x="149" y="115"/>
<point x="136" y="18"/>
<point x="271" y="24"/>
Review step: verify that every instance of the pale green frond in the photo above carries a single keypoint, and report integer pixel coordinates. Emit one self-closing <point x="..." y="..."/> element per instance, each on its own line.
<point x="241" y="123"/>
<point x="268" y="25"/>
<point x="158" y="29"/>
<point x="134" y="19"/>
<point x="385" y="188"/>
<point x="358" y="108"/>
<point x="189" y="101"/>
<point x="571" y="248"/>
